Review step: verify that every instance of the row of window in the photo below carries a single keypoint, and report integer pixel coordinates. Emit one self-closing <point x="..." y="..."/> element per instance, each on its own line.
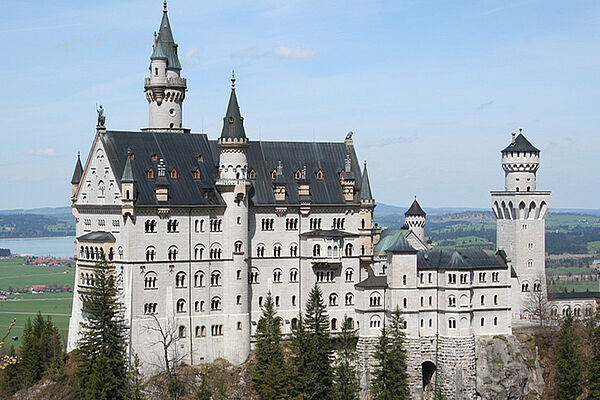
<point x="87" y="225"/>
<point x="216" y="225"/>
<point x="260" y="251"/>
<point x="95" y="253"/>
<point x="464" y="278"/>
<point x="537" y="287"/>
<point x="196" y="174"/>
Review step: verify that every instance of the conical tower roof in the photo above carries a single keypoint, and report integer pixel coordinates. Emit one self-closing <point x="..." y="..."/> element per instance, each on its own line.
<point x="365" y="186"/>
<point x="128" y="175"/>
<point x="78" y="173"/>
<point x="233" y="123"/>
<point x="415" y="209"/>
<point x="520" y="143"/>
<point x="165" y="46"/>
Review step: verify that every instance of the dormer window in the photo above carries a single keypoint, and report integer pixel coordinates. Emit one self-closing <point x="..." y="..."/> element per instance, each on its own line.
<point x="173" y="173"/>
<point x="197" y="173"/>
<point x="273" y="173"/>
<point x="298" y="174"/>
<point x="200" y="158"/>
<point x="150" y="174"/>
<point x="252" y="174"/>
<point x="154" y="157"/>
<point x="319" y="175"/>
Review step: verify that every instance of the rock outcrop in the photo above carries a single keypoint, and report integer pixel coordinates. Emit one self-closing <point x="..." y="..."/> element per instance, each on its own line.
<point x="508" y="368"/>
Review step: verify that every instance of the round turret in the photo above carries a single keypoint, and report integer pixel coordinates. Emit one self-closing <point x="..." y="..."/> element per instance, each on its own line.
<point x="415" y="219"/>
<point x="520" y="161"/>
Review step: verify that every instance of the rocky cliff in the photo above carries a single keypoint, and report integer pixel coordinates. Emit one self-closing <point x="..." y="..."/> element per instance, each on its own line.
<point x="508" y="367"/>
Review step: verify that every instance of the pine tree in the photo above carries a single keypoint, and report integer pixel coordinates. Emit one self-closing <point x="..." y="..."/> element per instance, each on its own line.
<point x="103" y="359"/>
<point x="346" y="385"/>
<point x="136" y="380"/>
<point x="390" y="377"/>
<point x="312" y="345"/>
<point x="268" y="373"/>
<point x="30" y="355"/>
<point x="568" y="361"/>
<point x="594" y="367"/>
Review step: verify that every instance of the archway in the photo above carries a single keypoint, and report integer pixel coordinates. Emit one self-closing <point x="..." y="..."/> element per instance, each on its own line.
<point x="428" y="370"/>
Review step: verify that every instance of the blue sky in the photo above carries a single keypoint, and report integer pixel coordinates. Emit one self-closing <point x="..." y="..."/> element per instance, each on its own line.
<point x="431" y="89"/>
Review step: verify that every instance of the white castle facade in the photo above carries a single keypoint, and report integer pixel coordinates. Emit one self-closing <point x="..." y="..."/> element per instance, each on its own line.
<point x="200" y="230"/>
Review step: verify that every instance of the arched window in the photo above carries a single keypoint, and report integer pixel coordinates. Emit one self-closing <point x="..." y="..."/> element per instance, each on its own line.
<point x="198" y="252"/>
<point x="452" y="323"/>
<point x="253" y="278"/>
<point x="238" y="300"/>
<point x="316" y="250"/>
<point x="180" y="280"/>
<point x="199" y="279"/>
<point x="150" y="280"/>
<point x="181" y="331"/>
<point x="375" y="300"/>
<point x="349" y="299"/>
<point x="238" y="246"/>
<point x="405" y="302"/>
<point x="180" y="305"/>
<point x="451" y="301"/>
<point x="482" y="300"/>
<point x="333" y="299"/>
<point x="277" y="250"/>
<point x="349" y="275"/>
<point x="293" y="250"/>
<point x="482" y="321"/>
<point x="150" y="253"/>
<point x="172" y="254"/>
<point x="525" y="287"/>
<point x="215" y="278"/>
<point x="404" y="279"/>
<point x="293" y="275"/>
<point x="348" y="249"/>
<point x="334" y="324"/>
<point x="277" y="275"/>
<point x="375" y="322"/>
<point x="215" y="304"/>
<point x="495" y="299"/>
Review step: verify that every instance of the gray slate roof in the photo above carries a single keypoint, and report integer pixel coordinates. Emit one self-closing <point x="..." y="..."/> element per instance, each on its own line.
<point x="465" y="259"/>
<point x="78" y="171"/>
<point x="574" y="295"/>
<point x="521" y="144"/>
<point x="233" y="123"/>
<point x="365" y="186"/>
<point x="166" y="47"/>
<point x="181" y="151"/>
<point x="373" y="282"/>
<point x="97" y="237"/>
<point x="415" y="209"/>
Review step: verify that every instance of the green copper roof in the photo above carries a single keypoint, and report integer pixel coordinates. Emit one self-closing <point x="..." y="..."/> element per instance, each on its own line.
<point x="166" y="46"/>
<point x="128" y="170"/>
<point x="78" y="171"/>
<point x="365" y="186"/>
<point x="393" y="240"/>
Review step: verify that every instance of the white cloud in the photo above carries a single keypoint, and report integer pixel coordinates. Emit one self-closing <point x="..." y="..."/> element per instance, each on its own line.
<point x="44" y="151"/>
<point x="283" y="51"/>
<point x="190" y="53"/>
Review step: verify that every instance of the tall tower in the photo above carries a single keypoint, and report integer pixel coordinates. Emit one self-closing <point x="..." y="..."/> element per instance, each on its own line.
<point x="521" y="221"/>
<point x="165" y="88"/>
<point x="233" y="185"/>
<point x="415" y="219"/>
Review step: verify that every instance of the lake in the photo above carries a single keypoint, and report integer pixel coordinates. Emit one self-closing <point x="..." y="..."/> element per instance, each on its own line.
<point x="56" y="247"/>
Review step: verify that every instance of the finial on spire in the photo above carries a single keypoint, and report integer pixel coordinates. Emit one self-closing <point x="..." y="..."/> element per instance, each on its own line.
<point x="365" y="163"/>
<point x="520" y="130"/>
<point x="165" y="6"/>
<point x="233" y="79"/>
<point x="78" y="154"/>
<point x="415" y="196"/>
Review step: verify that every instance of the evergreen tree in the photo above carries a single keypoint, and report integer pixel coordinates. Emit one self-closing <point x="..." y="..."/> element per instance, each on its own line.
<point x="390" y="378"/>
<point x="594" y="367"/>
<point x="568" y="361"/>
<point x="313" y="372"/>
<point x="136" y="380"/>
<point x="346" y="385"/>
<point x="103" y="359"/>
<point x="31" y="367"/>
<point x="268" y="373"/>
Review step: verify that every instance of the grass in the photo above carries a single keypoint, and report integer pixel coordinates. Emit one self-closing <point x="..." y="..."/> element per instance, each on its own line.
<point x="15" y="274"/>
<point x="571" y="270"/>
<point x="578" y="286"/>
<point x="594" y="247"/>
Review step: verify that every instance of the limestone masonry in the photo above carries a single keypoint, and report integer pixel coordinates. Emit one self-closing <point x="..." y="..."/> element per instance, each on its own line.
<point x="200" y="229"/>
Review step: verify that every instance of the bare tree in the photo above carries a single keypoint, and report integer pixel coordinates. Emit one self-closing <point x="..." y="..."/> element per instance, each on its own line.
<point x="536" y="302"/>
<point x="167" y="337"/>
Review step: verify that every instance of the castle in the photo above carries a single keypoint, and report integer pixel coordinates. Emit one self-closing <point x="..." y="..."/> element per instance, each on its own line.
<point x="199" y="230"/>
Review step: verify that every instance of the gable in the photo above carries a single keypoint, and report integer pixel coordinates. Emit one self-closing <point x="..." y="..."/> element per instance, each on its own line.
<point x="98" y="184"/>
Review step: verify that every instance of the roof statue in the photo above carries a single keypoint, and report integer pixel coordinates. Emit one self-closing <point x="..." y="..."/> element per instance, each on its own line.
<point x="349" y="135"/>
<point x="101" y="117"/>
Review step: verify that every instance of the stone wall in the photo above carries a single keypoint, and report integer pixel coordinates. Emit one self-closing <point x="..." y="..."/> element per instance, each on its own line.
<point x="454" y="376"/>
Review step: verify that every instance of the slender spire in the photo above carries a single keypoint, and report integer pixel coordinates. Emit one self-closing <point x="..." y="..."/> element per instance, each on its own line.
<point x="78" y="173"/>
<point x="164" y="44"/>
<point x="365" y="186"/>
<point x="128" y="175"/>
<point x="233" y="123"/>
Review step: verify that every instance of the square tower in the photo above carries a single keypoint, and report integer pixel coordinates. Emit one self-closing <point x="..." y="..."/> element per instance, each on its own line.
<point x="520" y="212"/>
